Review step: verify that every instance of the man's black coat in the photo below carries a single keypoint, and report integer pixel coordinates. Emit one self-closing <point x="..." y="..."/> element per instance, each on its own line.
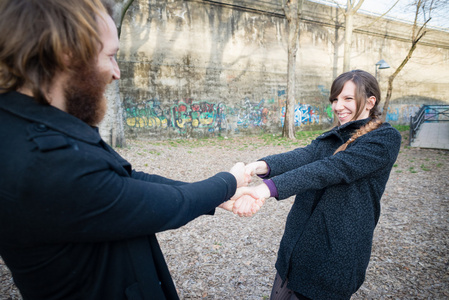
<point x="76" y="222"/>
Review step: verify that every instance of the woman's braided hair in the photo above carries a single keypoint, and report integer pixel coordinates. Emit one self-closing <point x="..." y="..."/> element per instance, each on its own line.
<point x="366" y="87"/>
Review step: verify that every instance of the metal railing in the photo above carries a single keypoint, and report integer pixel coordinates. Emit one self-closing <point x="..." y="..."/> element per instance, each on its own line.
<point x="427" y="113"/>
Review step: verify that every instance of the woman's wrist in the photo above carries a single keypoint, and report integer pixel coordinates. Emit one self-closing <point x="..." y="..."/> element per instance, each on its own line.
<point x="262" y="168"/>
<point x="263" y="191"/>
<point x="272" y="190"/>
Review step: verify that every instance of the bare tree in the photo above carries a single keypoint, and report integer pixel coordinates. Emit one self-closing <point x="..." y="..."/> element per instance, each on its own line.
<point x="423" y="8"/>
<point x="292" y="9"/>
<point x="111" y="128"/>
<point x="351" y="8"/>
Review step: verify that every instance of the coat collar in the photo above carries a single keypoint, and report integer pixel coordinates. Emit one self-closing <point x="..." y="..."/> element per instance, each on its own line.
<point x="345" y="131"/>
<point x="352" y="125"/>
<point x="27" y="108"/>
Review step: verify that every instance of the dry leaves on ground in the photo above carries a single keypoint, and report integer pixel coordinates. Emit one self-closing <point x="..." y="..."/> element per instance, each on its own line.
<point x="227" y="257"/>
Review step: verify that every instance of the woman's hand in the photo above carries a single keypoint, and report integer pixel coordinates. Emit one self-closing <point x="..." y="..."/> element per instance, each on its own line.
<point x="255" y="168"/>
<point x="248" y="200"/>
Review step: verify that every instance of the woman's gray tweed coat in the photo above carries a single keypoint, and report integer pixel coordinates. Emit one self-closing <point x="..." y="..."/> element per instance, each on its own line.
<point x="327" y="241"/>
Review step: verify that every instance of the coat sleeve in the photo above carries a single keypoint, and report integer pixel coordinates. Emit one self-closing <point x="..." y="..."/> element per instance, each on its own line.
<point x="368" y="154"/>
<point x="284" y="162"/>
<point x="136" y="174"/>
<point x="155" y="178"/>
<point x="81" y="197"/>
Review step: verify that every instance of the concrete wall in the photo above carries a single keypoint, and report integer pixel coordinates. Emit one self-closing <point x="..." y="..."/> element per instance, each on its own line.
<point x="195" y="68"/>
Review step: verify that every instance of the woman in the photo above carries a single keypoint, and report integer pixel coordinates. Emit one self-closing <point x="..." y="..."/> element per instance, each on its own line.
<point x="338" y="181"/>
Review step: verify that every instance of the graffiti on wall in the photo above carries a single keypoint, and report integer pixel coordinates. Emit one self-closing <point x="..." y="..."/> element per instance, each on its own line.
<point x="304" y="114"/>
<point x="148" y="114"/>
<point x="252" y="114"/>
<point x="196" y="114"/>
<point x="324" y="92"/>
<point x="181" y="115"/>
<point x="190" y="114"/>
<point x="401" y="113"/>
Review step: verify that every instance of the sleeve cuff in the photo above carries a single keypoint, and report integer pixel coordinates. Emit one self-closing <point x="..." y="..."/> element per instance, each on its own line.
<point x="266" y="174"/>
<point x="272" y="188"/>
<point x="230" y="181"/>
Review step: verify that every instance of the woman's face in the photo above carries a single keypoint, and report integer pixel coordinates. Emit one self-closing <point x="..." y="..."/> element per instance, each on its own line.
<point x="345" y="105"/>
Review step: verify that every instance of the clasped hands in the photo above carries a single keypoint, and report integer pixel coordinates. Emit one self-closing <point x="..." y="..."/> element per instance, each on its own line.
<point x="247" y="200"/>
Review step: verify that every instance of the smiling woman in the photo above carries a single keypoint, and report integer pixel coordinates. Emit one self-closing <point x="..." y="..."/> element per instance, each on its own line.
<point x="346" y="107"/>
<point x="338" y="181"/>
<point x="91" y="219"/>
<point x="355" y="96"/>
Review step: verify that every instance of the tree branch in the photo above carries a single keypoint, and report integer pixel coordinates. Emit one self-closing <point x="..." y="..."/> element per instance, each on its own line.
<point x="380" y="17"/>
<point x="356" y="8"/>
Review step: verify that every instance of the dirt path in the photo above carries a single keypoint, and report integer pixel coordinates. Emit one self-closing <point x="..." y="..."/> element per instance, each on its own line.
<point x="227" y="257"/>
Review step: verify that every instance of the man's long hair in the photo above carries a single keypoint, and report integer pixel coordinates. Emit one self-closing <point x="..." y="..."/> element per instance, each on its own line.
<point x="40" y="38"/>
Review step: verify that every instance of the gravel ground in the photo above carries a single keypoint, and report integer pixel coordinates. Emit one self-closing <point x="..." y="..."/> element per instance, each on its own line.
<point x="228" y="257"/>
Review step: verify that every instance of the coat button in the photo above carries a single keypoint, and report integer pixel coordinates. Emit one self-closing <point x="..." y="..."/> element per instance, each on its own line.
<point x="40" y="127"/>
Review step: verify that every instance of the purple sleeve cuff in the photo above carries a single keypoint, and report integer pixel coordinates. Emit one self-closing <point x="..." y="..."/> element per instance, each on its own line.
<point x="272" y="188"/>
<point x="266" y="174"/>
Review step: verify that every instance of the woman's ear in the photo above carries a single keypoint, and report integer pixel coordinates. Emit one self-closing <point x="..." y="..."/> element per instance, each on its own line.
<point x="370" y="102"/>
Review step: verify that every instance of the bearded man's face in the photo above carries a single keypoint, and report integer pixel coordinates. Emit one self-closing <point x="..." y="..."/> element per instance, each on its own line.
<point x="84" y="91"/>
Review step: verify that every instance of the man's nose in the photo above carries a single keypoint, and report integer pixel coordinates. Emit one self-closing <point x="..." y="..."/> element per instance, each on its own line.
<point x="116" y="71"/>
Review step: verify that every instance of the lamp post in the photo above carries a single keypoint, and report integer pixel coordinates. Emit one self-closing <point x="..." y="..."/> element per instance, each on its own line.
<point x="381" y="64"/>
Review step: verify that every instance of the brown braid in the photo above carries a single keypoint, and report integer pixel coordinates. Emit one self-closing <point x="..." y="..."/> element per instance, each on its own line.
<point x="370" y="126"/>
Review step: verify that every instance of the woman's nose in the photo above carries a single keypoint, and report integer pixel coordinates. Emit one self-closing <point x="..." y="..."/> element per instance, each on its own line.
<point x="338" y="104"/>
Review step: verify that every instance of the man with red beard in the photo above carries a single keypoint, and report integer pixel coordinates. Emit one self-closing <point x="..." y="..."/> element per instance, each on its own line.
<point x="76" y="221"/>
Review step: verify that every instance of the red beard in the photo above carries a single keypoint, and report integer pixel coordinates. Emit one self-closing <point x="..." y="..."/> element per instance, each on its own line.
<point x="84" y="94"/>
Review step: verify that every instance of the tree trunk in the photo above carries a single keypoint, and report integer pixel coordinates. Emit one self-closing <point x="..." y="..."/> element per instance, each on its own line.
<point x="112" y="128"/>
<point x="292" y="9"/>
<point x="349" y="25"/>
<point x="417" y="35"/>
<point x="288" y="130"/>
<point x="393" y="76"/>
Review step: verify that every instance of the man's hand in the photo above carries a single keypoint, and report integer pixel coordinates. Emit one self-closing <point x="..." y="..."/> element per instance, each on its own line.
<point x="247" y="201"/>
<point x="246" y="206"/>
<point x="228" y="205"/>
